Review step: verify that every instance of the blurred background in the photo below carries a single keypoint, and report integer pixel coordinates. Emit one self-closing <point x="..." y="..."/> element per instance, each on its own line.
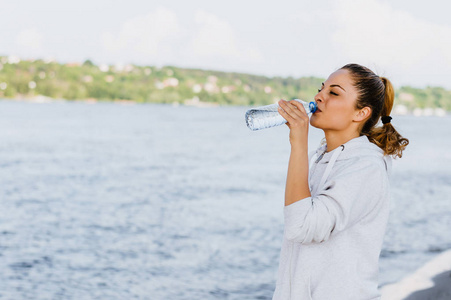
<point x="126" y="167"/>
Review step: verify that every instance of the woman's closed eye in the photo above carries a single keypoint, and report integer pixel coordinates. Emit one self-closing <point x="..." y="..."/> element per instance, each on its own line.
<point x="332" y="93"/>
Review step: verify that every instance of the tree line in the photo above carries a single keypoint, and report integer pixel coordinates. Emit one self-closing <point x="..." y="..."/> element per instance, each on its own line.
<point x="170" y="84"/>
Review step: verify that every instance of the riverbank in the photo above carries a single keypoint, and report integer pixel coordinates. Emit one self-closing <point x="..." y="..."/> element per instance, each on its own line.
<point x="431" y="281"/>
<point x="43" y="99"/>
<point x="195" y="102"/>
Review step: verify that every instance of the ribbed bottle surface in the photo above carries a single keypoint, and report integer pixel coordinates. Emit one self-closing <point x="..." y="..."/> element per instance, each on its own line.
<point x="267" y="116"/>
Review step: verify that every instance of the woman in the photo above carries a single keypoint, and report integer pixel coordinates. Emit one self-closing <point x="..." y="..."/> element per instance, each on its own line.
<point x="336" y="209"/>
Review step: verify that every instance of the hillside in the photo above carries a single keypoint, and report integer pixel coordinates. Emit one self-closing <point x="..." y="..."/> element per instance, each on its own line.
<point x="168" y="84"/>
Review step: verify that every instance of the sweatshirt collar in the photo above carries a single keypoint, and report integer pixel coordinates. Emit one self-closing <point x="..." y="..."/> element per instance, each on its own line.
<point x="356" y="146"/>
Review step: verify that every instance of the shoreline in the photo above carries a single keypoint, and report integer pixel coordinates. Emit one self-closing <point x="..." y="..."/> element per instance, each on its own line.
<point x="195" y="102"/>
<point x="44" y="99"/>
<point x="431" y="281"/>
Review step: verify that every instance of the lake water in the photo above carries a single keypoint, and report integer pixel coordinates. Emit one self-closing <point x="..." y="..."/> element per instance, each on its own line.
<point x="110" y="201"/>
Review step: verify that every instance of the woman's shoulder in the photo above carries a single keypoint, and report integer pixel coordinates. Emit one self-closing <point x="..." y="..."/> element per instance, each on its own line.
<point x="364" y="165"/>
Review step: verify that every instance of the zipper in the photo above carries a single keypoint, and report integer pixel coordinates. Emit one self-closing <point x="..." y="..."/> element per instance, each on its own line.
<point x="320" y="157"/>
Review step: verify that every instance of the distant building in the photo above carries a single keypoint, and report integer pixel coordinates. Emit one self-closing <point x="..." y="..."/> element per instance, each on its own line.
<point x="32" y="85"/>
<point x="212" y="79"/>
<point x="195" y="101"/>
<point x="197" y="88"/>
<point x="73" y="64"/>
<point x="228" y="88"/>
<point x="400" y="110"/>
<point x="407" y="97"/>
<point x="104" y="68"/>
<point x="159" y="85"/>
<point x="440" y="112"/>
<point x="173" y="82"/>
<point x="87" y="78"/>
<point x="109" y="78"/>
<point x="211" y="87"/>
<point x="12" y="59"/>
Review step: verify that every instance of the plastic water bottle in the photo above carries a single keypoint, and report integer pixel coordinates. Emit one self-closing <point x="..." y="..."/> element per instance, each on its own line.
<point x="268" y="116"/>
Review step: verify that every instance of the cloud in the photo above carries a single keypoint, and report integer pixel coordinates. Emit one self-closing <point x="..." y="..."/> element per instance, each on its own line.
<point x="149" y="35"/>
<point x="374" y="30"/>
<point x="216" y="37"/>
<point x="29" y="41"/>
<point x="160" y="38"/>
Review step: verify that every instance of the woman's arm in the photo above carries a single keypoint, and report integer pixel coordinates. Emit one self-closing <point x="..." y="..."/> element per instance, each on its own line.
<point x="297" y="187"/>
<point x="359" y="191"/>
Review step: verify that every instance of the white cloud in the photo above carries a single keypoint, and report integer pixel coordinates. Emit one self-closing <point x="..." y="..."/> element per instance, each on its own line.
<point x="372" y="30"/>
<point x="29" y="40"/>
<point x="149" y="35"/>
<point x="159" y="38"/>
<point x="216" y="38"/>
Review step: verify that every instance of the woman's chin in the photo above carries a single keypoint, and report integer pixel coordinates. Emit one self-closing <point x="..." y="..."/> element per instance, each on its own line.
<point x="314" y="122"/>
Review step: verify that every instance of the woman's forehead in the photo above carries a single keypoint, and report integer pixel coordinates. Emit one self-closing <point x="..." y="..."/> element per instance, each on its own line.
<point x="339" y="77"/>
<point x="342" y="78"/>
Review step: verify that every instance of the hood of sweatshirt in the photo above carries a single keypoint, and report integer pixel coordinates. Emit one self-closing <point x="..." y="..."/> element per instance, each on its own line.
<point x="357" y="147"/>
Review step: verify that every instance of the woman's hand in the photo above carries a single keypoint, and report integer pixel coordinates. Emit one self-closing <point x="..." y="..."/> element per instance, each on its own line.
<point x="297" y="120"/>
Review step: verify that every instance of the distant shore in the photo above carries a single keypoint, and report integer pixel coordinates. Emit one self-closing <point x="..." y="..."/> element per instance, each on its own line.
<point x="44" y="99"/>
<point x="173" y="85"/>
<point x="431" y="281"/>
<point x="195" y="102"/>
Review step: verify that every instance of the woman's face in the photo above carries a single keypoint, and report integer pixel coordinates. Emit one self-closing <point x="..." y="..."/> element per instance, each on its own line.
<point x="336" y="103"/>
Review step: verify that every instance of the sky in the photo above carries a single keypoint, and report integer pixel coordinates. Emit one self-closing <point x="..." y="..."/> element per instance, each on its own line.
<point x="407" y="41"/>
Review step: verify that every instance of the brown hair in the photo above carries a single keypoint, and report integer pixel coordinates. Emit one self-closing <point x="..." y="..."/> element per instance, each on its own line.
<point x="378" y="94"/>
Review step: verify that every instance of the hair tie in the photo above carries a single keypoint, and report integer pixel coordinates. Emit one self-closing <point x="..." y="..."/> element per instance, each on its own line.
<point x="386" y="119"/>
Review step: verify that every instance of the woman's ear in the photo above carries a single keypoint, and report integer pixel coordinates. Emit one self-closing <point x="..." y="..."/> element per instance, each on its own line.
<point x="363" y="114"/>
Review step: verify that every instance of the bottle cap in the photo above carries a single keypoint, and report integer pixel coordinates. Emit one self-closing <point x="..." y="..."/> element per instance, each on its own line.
<point x="312" y="106"/>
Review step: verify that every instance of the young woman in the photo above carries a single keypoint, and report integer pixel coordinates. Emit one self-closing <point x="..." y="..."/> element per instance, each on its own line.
<point x="336" y="209"/>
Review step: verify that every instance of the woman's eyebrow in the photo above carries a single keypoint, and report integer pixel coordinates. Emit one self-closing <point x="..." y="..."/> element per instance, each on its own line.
<point x="332" y="85"/>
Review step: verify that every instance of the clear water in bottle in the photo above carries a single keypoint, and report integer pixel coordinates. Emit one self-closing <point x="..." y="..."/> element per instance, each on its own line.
<point x="268" y="116"/>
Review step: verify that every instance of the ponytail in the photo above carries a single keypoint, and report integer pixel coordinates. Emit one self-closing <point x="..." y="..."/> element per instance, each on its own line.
<point x="386" y="137"/>
<point x="378" y="94"/>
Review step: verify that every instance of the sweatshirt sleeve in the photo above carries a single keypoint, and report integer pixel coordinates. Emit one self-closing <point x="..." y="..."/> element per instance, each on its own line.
<point x="347" y="196"/>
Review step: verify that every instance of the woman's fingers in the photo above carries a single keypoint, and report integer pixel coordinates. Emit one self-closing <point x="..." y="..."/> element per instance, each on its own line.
<point x="286" y="111"/>
<point x="285" y="115"/>
<point x="294" y="112"/>
<point x="293" y="108"/>
<point x="288" y="107"/>
<point x="298" y="105"/>
<point x="299" y="110"/>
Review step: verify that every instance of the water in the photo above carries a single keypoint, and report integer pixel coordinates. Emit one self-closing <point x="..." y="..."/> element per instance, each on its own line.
<point x="108" y="201"/>
<point x="268" y="116"/>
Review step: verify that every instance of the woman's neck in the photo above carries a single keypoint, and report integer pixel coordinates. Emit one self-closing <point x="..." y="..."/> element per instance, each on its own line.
<point x="335" y="139"/>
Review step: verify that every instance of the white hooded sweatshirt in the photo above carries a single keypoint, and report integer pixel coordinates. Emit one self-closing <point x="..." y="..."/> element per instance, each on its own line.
<point x="332" y="240"/>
